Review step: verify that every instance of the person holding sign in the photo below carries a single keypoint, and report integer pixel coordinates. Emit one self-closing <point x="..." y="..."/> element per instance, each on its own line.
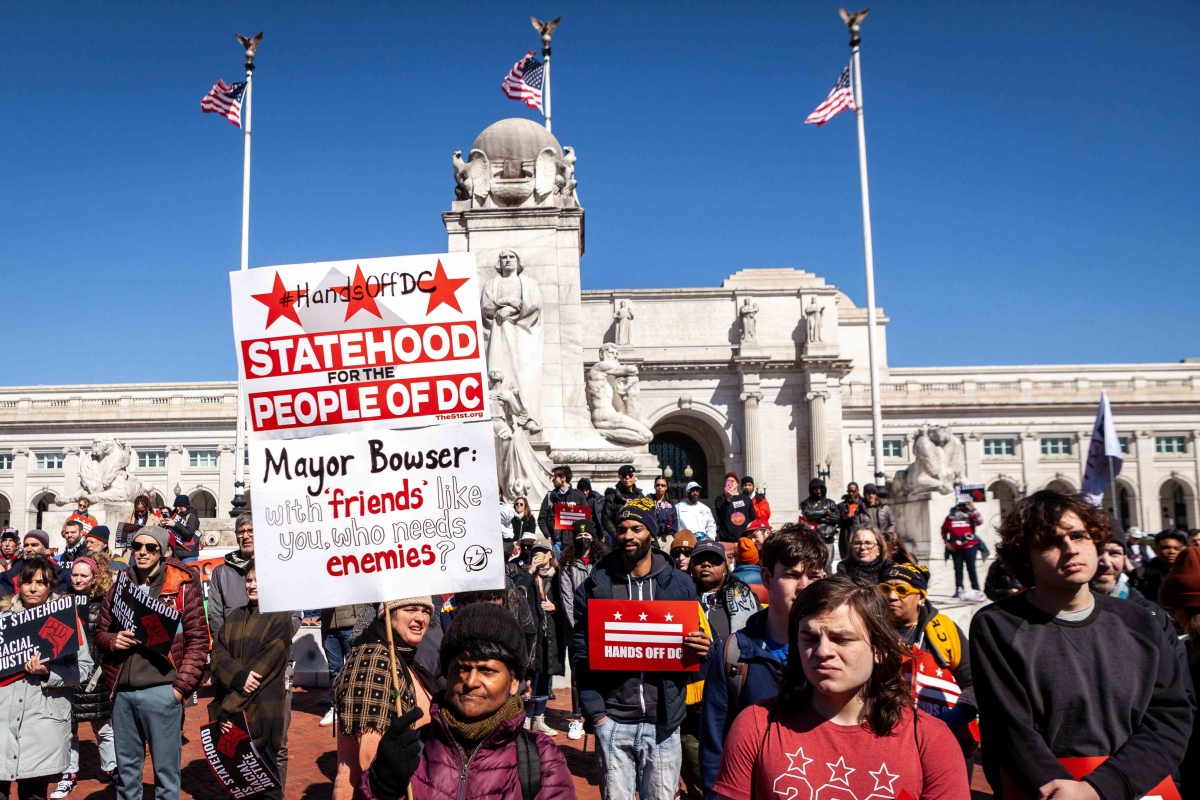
<point x="636" y="715"/>
<point x="475" y="746"/>
<point x="844" y="723"/>
<point x="148" y="689"/>
<point x="1069" y="677"/>
<point x="35" y="704"/>
<point x="249" y="658"/>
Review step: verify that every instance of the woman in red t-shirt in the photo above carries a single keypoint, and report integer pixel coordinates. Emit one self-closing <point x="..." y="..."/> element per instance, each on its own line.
<point x="844" y="718"/>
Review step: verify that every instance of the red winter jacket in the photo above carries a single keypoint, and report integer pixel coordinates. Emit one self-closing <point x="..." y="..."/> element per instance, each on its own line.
<point x="181" y="590"/>
<point x="958" y="529"/>
<point x="490" y="774"/>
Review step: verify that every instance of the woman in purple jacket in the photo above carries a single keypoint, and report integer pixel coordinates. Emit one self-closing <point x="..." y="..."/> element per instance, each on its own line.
<point x="476" y="747"/>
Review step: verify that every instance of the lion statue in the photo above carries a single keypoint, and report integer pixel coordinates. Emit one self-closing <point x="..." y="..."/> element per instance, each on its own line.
<point x="104" y="476"/>
<point x="938" y="465"/>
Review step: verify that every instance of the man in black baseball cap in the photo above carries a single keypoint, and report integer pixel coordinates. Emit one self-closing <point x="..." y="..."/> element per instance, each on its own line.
<point x="626" y="490"/>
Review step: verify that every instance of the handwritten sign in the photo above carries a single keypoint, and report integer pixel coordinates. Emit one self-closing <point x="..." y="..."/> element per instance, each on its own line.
<point x="152" y="622"/>
<point x="51" y="629"/>
<point x="642" y="635"/>
<point x="360" y="517"/>
<point x="370" y="344"/>
<point x="239" y="767"/>
<point x="566" y="516"/>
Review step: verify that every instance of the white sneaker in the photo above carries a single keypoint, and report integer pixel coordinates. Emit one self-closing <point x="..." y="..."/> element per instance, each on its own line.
<point x="575" y="729"/>
<point x="64" y="787"/>
<point x="539" y="725"/>
<point x="974" y="596"/>
<point x="329" y="717"/>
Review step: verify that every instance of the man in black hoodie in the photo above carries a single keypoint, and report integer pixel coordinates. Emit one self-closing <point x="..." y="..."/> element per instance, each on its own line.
<point x="822" y="512"/>
<point x="1066" y="673"/>
<point x="636" y="716"/>
<point x="625" y="490"/>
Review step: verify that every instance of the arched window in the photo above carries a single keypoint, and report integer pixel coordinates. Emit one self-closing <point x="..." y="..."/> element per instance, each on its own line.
<point x="682" y="454"/>
<point x="204" y="504"/>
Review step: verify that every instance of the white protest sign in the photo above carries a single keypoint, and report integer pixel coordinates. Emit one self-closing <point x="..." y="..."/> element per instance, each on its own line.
<point x="360" y="345"/>
<point x="363" y="516"/>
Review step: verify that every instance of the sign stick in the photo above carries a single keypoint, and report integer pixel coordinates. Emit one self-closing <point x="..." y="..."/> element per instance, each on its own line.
<point x="387" y="616"/>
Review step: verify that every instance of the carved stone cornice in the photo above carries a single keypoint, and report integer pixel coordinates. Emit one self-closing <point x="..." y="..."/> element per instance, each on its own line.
<point x="591" y="456"/>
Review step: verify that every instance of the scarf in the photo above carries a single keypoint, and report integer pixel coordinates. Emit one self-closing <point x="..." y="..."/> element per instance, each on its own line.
<point x="376" y="633"/>
<point x="469" y="735"/>
<point x="1120" y="588"/>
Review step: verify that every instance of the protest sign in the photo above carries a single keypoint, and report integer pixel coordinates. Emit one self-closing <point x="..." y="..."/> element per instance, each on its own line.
<point x="151" y="621"/>
<point x="51" y="629"/>
<point x="359" y="517"/>
<point x="125" y="533"/>
<point x="642" y="635"/>
<point x="566" y="516"/>
<point x="970" y="493"/>
<point x="360" y="345"/>
<point x="240" y="768"/>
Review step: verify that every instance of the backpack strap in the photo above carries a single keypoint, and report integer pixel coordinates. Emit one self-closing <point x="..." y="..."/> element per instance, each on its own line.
<point x="735" y="674"/>
<point x="529" y="766"/>
<point x="941" y="634"/>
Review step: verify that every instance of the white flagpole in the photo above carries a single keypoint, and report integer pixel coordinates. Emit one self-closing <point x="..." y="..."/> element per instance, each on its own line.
<point x="854" y="22"/>
<point x="239" y="457"/>
<point x="545" y="30"/>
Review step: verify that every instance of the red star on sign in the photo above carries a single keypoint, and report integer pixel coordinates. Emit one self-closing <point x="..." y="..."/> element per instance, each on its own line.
<point x="279" y="302"/>
<point x="359" y="296"/>
<point x="442" y="290"/>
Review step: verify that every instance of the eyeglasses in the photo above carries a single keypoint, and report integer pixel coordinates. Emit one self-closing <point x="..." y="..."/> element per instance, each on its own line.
<point x="864" y="545"/>
<point x="246" y="532"/>
<point x="901" y="590"/>
<point x="151" y="547"/>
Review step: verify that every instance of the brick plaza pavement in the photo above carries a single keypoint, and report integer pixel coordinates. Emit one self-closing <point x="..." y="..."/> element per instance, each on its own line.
<point x="313" y="760"/>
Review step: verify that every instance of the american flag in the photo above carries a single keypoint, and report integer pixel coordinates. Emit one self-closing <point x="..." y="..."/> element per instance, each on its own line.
<point x="840" y="98"/>
<point x="524" y="81"/>
<point x="226" y="100"/>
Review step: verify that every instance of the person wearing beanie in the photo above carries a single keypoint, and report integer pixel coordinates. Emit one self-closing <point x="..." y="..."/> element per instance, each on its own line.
<point x="184" y="526"/>
<point x="625" y="490"/>
<point x="819" y="510"/>
<point x="1054" y="665"/>
<point x="149" y="690"/>
<point x="905" y="587"/>
<point x="363" y="691"/>
<point x="733" y="509"/>
<point x="35" y="543"/>
<point x="250" y="658"/>
<point x="682" y="547"/>
<point x="636" y="716"/>
<point x="595" y="501"/>
<point x="578" y="561"/>
<point x="1112" y="579"/>
<point x="694" y="516"/>
<point x="478" y="720"/>
<point x="746" y="558"/>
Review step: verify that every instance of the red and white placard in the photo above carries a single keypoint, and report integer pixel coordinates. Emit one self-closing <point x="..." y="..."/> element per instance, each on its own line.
<point x="566" y="516"/>
<point x="642" y="635"/>
<point x="367" y="344"/>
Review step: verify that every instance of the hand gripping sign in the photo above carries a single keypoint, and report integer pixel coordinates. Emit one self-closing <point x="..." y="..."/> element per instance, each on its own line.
<point x="151" y="621"/>
<point x="642" y="635"/>
<point x="360" y="345"/>
<point x="51" y="630"/>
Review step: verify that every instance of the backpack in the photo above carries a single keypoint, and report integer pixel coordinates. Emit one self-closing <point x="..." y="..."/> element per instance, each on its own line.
<point x="529" y="766"/>
<point x="735" y="672"/>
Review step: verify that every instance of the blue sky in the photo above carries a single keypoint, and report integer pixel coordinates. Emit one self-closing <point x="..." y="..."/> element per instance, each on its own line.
<point x="1034" y="167"/>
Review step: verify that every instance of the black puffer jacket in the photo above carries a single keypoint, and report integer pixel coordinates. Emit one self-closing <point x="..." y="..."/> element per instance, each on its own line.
<point x="612" y="506"/>
<point x="92" y="700"/>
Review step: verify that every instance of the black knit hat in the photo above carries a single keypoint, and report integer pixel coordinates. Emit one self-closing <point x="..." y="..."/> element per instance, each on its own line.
<point x="486" y="630"/>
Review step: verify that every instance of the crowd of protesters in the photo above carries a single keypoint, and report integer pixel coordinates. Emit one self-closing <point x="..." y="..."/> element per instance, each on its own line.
<point x="824" y="667"/>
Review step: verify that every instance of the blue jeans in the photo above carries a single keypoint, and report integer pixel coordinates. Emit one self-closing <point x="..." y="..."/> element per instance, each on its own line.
<point x="965" y="558"/>
<point x="638" y="757"/>
<point x="337" y="647"/>
<point x="142" y="716"/>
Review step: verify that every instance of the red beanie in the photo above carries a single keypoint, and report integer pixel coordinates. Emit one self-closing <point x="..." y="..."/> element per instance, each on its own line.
<point x="1181" y="588"/>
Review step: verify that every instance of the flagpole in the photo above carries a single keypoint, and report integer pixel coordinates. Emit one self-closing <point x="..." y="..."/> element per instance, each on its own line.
<point x="854" y="23"/>
<point x="239" y="457"/>
<point x="1112" y="479"/>
<point x="545" y="30"/>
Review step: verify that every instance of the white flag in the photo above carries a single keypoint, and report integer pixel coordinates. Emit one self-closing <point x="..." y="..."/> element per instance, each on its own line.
<point x="1104" y="455"/>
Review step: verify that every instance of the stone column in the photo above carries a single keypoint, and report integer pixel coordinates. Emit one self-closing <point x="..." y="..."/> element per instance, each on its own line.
<point x="70" y="470"/>
<point x="1150" y="512"/>
<point x="1030" y="450"/>
<point x="816" y="429"/>
<point x="225" y="466"/>
<point x="174" y="472"/>
<point x="20" y="500"/>
<point x="751" y="440"/>
<point x="1194" y="511"/>
<point x="860" y="458"/>
<point x="973" y="450"/>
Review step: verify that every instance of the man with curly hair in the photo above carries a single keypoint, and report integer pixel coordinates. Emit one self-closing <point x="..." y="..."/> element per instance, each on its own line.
<point x="1080" y="695"/>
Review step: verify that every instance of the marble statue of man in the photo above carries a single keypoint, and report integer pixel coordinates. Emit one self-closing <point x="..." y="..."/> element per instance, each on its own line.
<point x="623" y="317"/>
<point x="813" y="313"/>
<point x="749" y="314"/>
<point x="612" y="393"/>
<point x="512" y="324"/>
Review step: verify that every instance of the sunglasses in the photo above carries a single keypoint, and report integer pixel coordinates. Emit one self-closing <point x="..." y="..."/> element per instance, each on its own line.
<point x="681" y="551"/>
<point x="901" y="590"/>
<point x="150" y="547"/>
